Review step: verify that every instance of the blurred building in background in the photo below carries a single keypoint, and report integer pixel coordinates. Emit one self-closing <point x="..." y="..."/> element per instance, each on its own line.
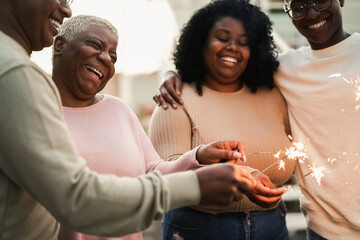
<point x="148" y="30"/>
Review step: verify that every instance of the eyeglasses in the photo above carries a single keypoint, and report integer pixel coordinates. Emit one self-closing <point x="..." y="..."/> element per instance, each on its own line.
<point x="66" y="2"/>
<point x="297" y="9"/>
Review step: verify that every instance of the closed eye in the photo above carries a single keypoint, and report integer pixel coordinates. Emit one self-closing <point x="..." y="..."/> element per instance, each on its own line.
<point x="222" y="39"/>
<point x="113" y="58"/>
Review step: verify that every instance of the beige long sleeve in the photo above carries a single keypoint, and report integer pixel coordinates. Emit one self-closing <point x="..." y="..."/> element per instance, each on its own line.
<point x="42" y="177"/>
<point x="259" y="120"/>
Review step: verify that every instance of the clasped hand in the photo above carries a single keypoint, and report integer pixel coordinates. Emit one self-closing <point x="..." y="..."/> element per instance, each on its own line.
<point x="223" y="183"/>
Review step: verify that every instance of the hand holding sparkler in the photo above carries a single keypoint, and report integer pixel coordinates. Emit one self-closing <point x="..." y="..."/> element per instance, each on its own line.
<point x="221" y="151"/>
<point x="264" y="193"/>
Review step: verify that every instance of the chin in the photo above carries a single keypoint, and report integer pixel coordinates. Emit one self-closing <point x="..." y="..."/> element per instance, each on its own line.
<point x="38" y="47"/>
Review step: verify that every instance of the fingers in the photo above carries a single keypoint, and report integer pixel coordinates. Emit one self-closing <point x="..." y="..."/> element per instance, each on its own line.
<point x="231" y="150"/>
<point x="178" y="89"/>
<point x="221" y="151"/>
<point x="263" y="179"/>
<point x="246" y="182"/>
<point x="267" y="192"/>
<point x="240" y="147"/>
<point x="171" y="89"/>
<point x="263" y="195"/>
<point x="160" y="101"/>
<point x="168" y="98"/>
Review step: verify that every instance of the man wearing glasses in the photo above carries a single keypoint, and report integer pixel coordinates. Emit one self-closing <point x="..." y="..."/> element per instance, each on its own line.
<point x="321" y="84"/>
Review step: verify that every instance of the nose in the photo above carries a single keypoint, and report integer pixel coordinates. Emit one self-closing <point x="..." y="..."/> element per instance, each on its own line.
<point x="231" y="45"/>
<point x="312" y="12"/>
<point x="106" y="58"/>
<point x="66" y="10"/>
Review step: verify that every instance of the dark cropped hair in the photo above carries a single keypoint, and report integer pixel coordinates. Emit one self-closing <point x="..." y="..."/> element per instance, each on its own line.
<point x="188" y="54"/>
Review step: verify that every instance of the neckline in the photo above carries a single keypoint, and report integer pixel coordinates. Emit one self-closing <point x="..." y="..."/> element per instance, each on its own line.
<point x="207" y="89"/>
<point x="333" y="50"/>
<point x="93" y="106"/>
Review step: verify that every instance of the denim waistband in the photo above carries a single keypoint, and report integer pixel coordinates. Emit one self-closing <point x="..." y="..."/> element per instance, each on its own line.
<point x="257" y="213"/>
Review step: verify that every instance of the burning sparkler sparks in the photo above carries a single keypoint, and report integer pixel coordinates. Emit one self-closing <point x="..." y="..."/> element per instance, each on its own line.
<point x="357" y="93"/>
<point x="351" y="81"/>
<point x="282" y="165"/>
<point x="295" y="152"/>
<point x="316" y="172"/>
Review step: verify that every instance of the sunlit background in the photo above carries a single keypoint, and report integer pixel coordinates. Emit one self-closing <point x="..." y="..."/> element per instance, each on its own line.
<point x="147" y="32"/>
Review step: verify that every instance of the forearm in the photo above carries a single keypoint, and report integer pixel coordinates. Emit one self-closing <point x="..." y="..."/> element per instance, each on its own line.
<point x="130" y="204"/>
<point x="187" y="161"/>
<point x="37" y="156"/>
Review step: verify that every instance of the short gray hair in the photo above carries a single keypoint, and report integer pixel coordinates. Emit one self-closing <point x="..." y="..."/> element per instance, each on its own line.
<point x="81" y="23"/>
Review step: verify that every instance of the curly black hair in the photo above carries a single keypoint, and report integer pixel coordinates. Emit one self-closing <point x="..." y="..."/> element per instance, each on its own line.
<point x="188" y="53"/>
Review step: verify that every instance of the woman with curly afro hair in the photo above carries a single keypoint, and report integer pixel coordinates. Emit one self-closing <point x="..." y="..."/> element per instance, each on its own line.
<point x="226" y="59"/>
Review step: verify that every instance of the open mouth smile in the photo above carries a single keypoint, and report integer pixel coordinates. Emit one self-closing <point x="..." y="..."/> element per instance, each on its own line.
<point x="56" y="23"/>
<point x="317" y="25"/>
<point x="95" y="71"/>
<point x="229" y="59"/>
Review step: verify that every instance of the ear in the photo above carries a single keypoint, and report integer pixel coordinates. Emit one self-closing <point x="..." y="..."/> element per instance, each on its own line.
<point x="342" y="3"/>
<point x="59" y="45"/>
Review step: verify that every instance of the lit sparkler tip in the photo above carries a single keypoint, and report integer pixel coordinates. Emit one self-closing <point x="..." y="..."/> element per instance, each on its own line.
<point x="357" y="93"/>
<point x="282" y="165"/>
<point x="317" y="173"/>
<point x="295" y="152"/>
<point x="277" y="155"/>
<point x="299" y="145"/>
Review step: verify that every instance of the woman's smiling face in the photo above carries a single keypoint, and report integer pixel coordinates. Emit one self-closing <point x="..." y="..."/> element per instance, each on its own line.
<point x="226" y="55"/>
<point x="87" y="62"/>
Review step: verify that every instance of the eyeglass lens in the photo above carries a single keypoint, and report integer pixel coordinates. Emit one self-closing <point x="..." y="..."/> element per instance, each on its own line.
<point x="299" y="9"/>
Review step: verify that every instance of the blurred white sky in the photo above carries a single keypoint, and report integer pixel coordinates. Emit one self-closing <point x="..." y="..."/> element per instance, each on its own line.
<point x="147" y="29"/>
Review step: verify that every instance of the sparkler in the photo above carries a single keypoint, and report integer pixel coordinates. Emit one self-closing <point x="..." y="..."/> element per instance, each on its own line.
<point x="294" y="152"/>
<point x="316" y="172"/>
<point x="260" y="153"/>
<point x="282" y="165"/>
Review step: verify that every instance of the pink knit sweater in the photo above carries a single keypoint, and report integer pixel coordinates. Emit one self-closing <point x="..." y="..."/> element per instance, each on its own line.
<point x="111" y="139"/>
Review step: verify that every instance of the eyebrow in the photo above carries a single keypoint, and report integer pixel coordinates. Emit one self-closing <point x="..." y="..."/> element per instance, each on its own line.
<point x="95" y="38"/>
<point x="92" y="37"/>
<point x="225" y="30"/>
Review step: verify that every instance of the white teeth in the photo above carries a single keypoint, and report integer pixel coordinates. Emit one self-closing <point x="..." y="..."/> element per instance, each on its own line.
<point x="229" y="59"/>
<point x="317" y="25"/>
<point x="100" y="75"/>
<point x="56" y="23"/>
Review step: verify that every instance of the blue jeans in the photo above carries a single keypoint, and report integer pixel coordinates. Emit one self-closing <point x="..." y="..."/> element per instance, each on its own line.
<point x="311" y="235"/>
<point x="189" y="224"/>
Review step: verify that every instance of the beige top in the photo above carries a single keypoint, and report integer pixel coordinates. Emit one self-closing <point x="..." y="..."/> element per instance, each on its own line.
<point x="259" y="120"/>
<point x="43" y="178"/>
<point x="322" y="91"/>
